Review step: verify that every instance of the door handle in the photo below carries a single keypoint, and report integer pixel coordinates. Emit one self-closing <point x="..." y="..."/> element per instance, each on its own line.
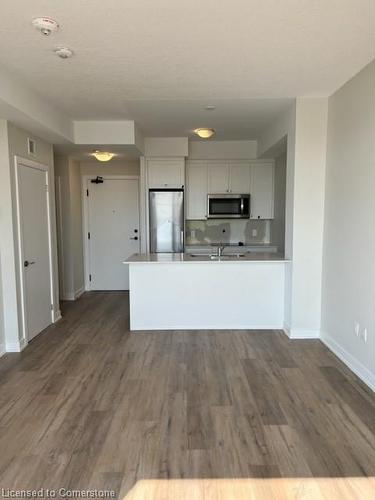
<point x="28" y="263"/>
<point x="135" y="238"/>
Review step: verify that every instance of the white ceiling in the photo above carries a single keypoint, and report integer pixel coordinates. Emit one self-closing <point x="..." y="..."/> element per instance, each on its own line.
<point x="159" y="62"/>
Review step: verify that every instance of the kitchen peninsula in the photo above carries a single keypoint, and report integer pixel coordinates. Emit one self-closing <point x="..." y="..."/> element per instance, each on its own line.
<point x="180" y="291"/>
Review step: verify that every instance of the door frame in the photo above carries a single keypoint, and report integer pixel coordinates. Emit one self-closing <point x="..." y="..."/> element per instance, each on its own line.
<point x="86" y="219"/>
<point x="18" y="161"/>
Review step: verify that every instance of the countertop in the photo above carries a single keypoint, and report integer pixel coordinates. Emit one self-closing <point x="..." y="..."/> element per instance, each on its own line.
<point x="166" y="258"/>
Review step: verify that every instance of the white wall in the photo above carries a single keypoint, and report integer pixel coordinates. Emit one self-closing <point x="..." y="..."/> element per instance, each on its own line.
<point x="224" y="150"/>
<point x="68" y="177"/>
<point x="278" y="222"/>
<point x="13" y="141"/>
<point x="348" y="294"/>
<point x="76" y="214"/>
<point x="64" y="226"/>
<point x="2" y="333"/>
<point x="166" y="146"/>
<point x="308" y="215"/>
<point x="114" y="167"/>
<point x="305" y="127"/>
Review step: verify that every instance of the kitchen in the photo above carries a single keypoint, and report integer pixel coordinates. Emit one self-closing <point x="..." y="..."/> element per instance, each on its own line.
<point x="214" y="253"/>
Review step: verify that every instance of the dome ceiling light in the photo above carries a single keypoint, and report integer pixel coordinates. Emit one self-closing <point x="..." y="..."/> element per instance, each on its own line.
<point x="204" y="133"/>
<point x="103" y="155"/>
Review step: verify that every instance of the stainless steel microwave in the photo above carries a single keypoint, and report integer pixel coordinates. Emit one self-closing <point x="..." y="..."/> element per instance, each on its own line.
<point x="228" y="206"/>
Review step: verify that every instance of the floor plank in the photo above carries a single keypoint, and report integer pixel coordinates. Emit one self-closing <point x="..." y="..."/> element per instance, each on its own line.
<point x="90" y="405"/>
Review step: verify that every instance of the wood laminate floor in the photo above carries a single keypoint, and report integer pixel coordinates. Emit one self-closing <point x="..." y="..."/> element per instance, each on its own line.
<point x="89" y="405"/>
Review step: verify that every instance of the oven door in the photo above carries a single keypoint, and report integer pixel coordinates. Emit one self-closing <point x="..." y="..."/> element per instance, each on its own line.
<point x="232" y="206"/>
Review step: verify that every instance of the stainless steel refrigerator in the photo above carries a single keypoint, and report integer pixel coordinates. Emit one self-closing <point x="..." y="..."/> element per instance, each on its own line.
<point x="166" y="220"/>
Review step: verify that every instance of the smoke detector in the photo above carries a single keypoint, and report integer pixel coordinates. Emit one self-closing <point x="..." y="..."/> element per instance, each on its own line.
<point x="46" y="25"/>
<point x="63" y="52"/>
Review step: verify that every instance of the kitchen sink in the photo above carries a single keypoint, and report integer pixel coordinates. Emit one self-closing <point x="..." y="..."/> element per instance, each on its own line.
<point x="234" y="256"/>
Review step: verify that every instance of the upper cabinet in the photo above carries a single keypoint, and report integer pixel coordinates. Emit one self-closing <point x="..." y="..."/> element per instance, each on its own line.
<point x="169" y="173"/>
<point x="196" y="190"/>
<point x="231" y="177"/>
<point x="262" y="191"/>
<point x="237" y="177"/>
<point x="218" y="178"/>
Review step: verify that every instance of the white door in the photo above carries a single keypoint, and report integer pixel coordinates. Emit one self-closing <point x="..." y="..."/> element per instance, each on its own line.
<point x="35" y="241"/>
<point x="218" y="179"/>
<point x="113" y="225"/>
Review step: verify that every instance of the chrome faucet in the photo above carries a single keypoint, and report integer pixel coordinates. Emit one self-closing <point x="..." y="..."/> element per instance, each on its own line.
<point x="220" y="250"/>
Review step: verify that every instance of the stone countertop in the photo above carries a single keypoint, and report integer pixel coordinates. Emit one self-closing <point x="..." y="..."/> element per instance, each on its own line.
<point x="169" y="258"/>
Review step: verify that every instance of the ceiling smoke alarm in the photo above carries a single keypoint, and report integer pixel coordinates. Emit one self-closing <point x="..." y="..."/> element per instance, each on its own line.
<point x="46" y="25"/>
<point x="63" y="52"/>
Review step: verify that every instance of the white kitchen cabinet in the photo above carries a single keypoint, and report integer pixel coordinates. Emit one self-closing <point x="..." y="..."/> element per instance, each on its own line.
<point x="218" y="178"/>
<point x="166" y="173"/>
<point x="196" y="191"/>
<point x="262" y="191"/>
<point x="231" y="177"/>
<point x="239" y="178"/>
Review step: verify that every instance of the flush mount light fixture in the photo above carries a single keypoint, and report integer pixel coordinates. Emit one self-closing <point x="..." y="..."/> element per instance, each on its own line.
<point x="103" y="155"/>
<point x="204" y="133"/>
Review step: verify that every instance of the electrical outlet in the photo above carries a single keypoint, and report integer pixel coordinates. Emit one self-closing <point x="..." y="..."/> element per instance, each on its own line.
<point x="356" y="329"/>
<point x="254" y="232"/>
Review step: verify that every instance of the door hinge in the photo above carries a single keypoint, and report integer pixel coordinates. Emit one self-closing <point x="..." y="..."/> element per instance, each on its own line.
<point x="89" y="235"/>
<point x="89" y="277"/>
<point x="87" y="192"/>
<point x="51" y="307"/>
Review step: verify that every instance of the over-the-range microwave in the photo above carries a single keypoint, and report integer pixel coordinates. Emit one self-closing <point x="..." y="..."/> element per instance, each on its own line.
<point x="228" y="206"/>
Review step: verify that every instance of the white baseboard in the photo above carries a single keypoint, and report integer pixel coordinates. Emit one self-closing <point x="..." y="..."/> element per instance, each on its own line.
<point x="350" y="361"/>
<point x="203" y="327"/>
<point x="56" y="316"/>
<point x="73" y="295"/>
<point x="2" y="350"/>
<point x="17" y="346"/>
<point x="79" y="292"/>
<point x="300" y="333"/>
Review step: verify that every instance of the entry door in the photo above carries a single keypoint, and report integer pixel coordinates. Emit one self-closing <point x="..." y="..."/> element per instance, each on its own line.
<point x="113" y="221"/>
<point x="36" y="265"/>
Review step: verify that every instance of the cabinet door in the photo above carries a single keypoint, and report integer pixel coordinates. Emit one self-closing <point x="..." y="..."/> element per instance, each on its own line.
<point x="196" y="191"/>
<point x="165" y="174"/>
<point x="218" y="178"/>
<point x="262" y="177"/>
<point x="239" y="178"/>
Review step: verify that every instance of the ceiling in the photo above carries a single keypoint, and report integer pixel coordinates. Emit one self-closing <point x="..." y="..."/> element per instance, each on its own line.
<point x="160" y="62"/>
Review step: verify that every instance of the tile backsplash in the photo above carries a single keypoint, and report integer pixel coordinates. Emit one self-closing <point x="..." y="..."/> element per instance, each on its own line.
<point x="229" y="231"/>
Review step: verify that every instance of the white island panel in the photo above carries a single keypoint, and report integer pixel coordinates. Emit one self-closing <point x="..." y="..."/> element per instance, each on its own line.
<point x="225" y="295"/>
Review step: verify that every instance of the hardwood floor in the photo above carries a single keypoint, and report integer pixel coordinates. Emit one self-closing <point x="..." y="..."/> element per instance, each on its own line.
<point x="89" y="405"/>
